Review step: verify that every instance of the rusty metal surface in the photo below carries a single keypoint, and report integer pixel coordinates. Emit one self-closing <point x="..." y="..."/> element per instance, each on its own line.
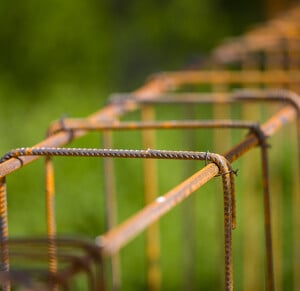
<point x="156" y="85"/>
<point x="224" y="169"/>
<point x="74" y="256"/>
<point x="153" y="250"/>
<point x="62" y="259"/>
<point x="285" y="115"/>
<point x="273" y="35"/>
<point x="115" y="239"/>
<point x="251" y="141"/>
<point x="4" y="252"/>
<point x="271" y="77"/>
<point x="111" y="212"/>
<point x="70" y="124"/>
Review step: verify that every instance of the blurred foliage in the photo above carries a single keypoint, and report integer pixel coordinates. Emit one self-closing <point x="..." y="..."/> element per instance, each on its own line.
<point x="66" y="57"/>
<point x="109" y="44"/>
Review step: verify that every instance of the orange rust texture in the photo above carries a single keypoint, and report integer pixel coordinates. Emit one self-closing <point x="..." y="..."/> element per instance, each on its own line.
<point x="275" y="39"/>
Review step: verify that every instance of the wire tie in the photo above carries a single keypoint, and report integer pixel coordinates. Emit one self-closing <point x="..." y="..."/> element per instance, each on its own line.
<point x="20" y="160"/>
<point x="206" y="158"/>
<point x="235" y="172"/>
<point x="64" y="128"/>
<point x="262" y="138"/>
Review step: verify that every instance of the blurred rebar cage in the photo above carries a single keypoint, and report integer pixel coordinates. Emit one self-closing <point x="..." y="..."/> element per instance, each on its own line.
<point x="209" y="117"/>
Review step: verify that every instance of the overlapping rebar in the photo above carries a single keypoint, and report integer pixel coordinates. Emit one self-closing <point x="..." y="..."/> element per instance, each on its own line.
<point x="271" y="52"/>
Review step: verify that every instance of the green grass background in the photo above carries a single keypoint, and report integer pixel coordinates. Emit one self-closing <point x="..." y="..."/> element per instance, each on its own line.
<point x="67" y="57"/>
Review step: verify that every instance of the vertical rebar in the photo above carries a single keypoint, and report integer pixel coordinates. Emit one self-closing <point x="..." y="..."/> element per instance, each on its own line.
<point x="150" y="192"/>
<point x="267" y="219"/>
<point x="111" y="207"/>
<point x="50" y="218"/>
<point x="4" y="253"/>
<point x="189" y="213"/>
<point x="296" y="217"/>
<point x="250" y="203"/>
<point x="100" y="276"/>
<point x="251" y="246"/>
<point x="293" y="58"/>
<point x="277" y="191"/>
<point x="221" y="140"/>
<point x="228" y="189"/>
<point x="293" y="63"/>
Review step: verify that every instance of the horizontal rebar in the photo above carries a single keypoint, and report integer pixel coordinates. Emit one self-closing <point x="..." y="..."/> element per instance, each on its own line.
<point x="287" y="97"/>
<point x="110" y="112"/>
<point x="282" y="117"/>
<point x="238" y="95"/>
<point x="114" y="239"/>
<point x="123" y="153"/>
<point x="107" y="113"/>
<point x="113" y="153"/>
<point x="225" y="171"/>
<point x="201" y="177"/>
<point x="83" y="124"/>
<point x="269" y="77"/>
<point x="267" y="39"/>
<point x="170" y="97"/>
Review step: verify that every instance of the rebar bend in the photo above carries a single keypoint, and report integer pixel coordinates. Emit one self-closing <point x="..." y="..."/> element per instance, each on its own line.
<point x="164" y="78"/>
<point x="58" y="126"/>
<point x="260" y="134"/>
<point x="163" y="81"/>
<point x="120" y="98"/>
<point x="4" y="254"/>
<point x="222" y="163"/>
<point x="225" y="170"/>
<point x="287" y="96"/>
<point x="229" y="214"/>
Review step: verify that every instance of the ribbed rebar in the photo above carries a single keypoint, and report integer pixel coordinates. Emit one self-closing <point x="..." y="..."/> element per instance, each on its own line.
<point x="4" y="253"/>
<point x="293" y="100"/>
<point x="272" y="40"/>
<point x="112" y="153"/>
<point x="115" y="239"/>
<point x="150" y="193"/>
<point x="225" y="171"/>
<point x="111" y="218"/>
<point x="80" y="124"/>
<point x="272" y="77"/>
<point x="155" y="87"/>
<point x="50" y="217"/>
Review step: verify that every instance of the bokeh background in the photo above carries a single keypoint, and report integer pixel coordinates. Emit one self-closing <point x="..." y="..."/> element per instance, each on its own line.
<point x="67" y="57"/>
<point x="70" y="52"/>
<point x="98" y="47"/>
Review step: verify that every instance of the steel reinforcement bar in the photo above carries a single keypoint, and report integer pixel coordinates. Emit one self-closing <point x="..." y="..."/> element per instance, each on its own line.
<point x="119" y="236"/>
<point x="158" y="84"/>
<point x="224" y="167"/>
<point x="116" y="238"/>
<point x="67" y="124"/>
<point x="275" y="36"/>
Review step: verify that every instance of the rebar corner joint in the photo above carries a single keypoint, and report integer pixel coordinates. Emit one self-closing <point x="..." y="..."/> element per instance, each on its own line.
<point x="60" y="126"/>
<point x="260" y="135"/>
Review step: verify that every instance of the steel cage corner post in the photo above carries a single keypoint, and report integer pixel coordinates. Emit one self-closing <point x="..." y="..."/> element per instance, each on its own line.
<point x="4" y="251"/>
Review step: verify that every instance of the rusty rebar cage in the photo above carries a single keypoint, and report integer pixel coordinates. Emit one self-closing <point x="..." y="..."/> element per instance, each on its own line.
<point x="257" y="72"/>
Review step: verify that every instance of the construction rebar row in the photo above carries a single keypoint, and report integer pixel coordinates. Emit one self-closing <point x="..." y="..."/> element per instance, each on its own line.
<point x="266" y="57"/>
